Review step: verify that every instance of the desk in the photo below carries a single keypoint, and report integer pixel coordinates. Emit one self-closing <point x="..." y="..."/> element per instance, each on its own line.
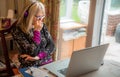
<point x="109" y="69"/>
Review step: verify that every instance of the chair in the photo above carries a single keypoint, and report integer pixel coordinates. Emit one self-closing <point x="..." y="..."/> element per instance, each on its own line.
<point x="3" y="32"/>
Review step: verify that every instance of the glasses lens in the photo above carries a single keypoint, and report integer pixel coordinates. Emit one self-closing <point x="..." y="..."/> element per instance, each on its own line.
<point x="39" y="17"/>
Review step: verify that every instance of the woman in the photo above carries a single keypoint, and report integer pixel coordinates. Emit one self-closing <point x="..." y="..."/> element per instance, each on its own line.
<point x="32" y="37"/>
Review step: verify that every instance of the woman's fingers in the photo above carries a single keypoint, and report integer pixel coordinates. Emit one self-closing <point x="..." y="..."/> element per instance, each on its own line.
<point x="29" y="58"/>
<point x="24" y="55"/>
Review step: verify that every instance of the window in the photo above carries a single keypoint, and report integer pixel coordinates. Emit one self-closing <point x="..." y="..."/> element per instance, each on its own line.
<point x="115" y="4"/>
<point x="63" y="8"/>
<point x="74" y="10"/>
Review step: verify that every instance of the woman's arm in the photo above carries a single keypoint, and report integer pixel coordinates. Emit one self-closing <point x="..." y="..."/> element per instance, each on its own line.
<point x="36" y="36"/>
<point x="25" y="45"/>
<point x="49" y="48"/>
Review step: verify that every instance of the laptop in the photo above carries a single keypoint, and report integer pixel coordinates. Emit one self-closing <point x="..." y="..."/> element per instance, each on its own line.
<point x="81" y="62"/>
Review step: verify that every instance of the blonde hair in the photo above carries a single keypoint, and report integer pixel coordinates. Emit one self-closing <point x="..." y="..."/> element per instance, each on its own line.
<point x="25" y="23"/>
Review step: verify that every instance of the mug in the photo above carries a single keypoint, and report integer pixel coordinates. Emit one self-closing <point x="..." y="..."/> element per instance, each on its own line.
<point x="5" y="22"/>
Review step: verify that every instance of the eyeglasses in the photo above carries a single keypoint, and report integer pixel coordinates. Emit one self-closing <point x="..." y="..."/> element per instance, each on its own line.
<point x="39" y="17"/>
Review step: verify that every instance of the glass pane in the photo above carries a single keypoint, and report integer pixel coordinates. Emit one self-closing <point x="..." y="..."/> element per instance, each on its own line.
<point x="111" y="29"/>
<point x="76" y="10"/>
<point x="72" y="32"/>
<point x="111" y="20"/>
<point x="82" y="10"/>
<point x="62" y="8"/>
<point x="115" y="4"/>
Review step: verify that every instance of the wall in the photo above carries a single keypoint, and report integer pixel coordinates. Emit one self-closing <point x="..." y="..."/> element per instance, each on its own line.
<point x="113" y="20"/>
<point x="15" y="5"/>
<point x="3" y="8"/>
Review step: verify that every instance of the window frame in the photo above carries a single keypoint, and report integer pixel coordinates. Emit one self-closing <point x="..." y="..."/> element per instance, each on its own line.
<point x="67" y="17"/>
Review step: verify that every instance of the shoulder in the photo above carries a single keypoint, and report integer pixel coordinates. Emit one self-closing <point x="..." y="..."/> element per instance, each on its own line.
<point x="16" y="30"/>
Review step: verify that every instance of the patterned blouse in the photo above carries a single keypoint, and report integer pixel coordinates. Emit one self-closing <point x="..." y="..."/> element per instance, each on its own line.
<point x="39" y="44"/>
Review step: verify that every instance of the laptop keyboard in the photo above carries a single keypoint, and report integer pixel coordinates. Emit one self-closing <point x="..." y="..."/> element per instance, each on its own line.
<point x="63" y="71"/>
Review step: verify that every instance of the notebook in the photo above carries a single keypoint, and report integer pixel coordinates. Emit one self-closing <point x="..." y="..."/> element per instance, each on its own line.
<point x="81" y="62"/>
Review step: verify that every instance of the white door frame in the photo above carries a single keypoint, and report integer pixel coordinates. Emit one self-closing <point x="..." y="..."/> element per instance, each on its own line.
<point x="98" y="22"/>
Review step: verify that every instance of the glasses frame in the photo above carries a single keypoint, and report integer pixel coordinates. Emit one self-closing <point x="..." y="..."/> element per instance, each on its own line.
<point x="39" y="17"/>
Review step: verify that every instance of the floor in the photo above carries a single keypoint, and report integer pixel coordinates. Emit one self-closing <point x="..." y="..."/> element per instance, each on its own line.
<point x="112" y="56"/>
<point x="113" y="52"/>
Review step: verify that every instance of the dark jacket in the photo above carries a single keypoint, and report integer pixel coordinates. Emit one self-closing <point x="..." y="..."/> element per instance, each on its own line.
<point x="26" y="45"/>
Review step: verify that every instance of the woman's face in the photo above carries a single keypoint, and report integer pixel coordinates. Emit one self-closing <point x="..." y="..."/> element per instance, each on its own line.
<point x="38" y="17"/>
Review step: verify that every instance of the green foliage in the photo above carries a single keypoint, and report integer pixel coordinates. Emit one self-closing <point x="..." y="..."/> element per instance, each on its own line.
<point x="75" y="12"/>
<point x="74" y="15"/>
<point x="62" y="8"/>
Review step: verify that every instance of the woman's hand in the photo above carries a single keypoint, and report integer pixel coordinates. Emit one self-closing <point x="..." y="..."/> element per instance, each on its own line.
<point x="29" y="58"/>
<point x="38" y="25"/>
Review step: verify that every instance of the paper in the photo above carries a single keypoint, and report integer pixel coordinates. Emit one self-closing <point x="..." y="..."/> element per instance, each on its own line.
<point x="36" y="72"/>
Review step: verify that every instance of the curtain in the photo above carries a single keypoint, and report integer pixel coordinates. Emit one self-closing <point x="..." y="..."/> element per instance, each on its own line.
<point x="52" y="19"/>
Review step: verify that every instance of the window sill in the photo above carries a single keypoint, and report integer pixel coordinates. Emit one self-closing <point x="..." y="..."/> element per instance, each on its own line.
<point x="66" y="20"/>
